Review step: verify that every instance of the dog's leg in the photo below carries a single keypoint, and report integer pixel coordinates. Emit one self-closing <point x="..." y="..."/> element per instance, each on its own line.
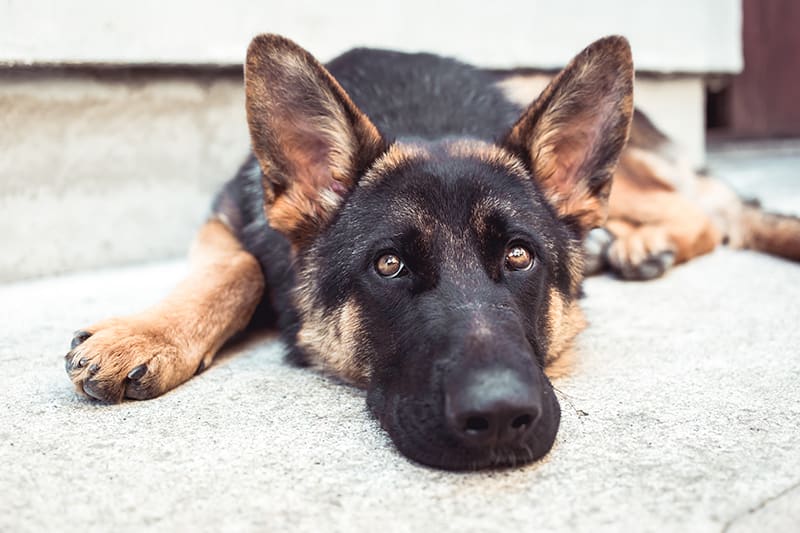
<point x="654" y="230"/>
<point x="745" y="225"/>
<point x="144" y="355"/>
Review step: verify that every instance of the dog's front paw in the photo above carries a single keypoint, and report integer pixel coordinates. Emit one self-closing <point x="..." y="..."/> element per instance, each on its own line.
<point x="645" y="253"/>
<point x="125" y="358"/>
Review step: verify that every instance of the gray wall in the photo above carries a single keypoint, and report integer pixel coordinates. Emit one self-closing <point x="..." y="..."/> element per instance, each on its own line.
<point x="119" y="120"/>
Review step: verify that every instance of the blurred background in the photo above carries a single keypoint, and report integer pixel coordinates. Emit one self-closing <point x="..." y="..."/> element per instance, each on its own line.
<point x="119" y="120"/>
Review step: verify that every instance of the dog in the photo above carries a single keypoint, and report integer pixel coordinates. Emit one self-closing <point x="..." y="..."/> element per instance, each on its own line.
<point x="414" y="228"/>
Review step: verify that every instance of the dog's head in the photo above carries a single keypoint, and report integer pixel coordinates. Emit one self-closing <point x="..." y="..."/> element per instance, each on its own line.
<point x="443" y="277"/>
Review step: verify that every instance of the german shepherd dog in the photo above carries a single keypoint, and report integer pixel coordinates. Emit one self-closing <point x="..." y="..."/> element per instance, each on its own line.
<point x="412" y="229"/>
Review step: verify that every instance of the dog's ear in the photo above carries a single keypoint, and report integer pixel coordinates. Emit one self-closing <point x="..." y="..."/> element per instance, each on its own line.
<point x="572" y="135"/>
<point x="310" y="139"/>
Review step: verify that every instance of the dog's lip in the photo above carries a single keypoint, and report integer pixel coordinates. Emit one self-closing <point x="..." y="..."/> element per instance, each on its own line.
<point x="461" y="459"/>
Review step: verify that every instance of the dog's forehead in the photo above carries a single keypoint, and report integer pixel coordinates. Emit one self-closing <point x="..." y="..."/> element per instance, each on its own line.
<point x="456" y="181"/>
<point x="434" y="158"/>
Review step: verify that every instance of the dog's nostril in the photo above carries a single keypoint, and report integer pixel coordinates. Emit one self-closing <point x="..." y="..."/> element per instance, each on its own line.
<point x="476" y="424"/>
<point x="522" y="421"/>
<point x="492" y="407"/>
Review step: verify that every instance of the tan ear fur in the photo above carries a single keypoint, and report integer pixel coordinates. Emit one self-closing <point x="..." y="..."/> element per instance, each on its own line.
<point x="310" y="139"/>
<point x="572" y="135"/>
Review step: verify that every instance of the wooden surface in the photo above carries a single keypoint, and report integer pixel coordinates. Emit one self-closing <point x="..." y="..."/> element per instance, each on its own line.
<point x="764" y="101"/>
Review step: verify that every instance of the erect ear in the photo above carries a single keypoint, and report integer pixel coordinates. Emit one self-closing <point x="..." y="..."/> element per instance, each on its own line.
<point x="310" y="139"/>
<point x="572" y="135"/>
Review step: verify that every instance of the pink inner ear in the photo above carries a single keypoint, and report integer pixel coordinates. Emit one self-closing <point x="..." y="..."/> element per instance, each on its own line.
<point x="338" y="187"/>
<point x="569" y="154"/>
<point x="571" y="150"/>
<point x="575" y="153"/>
<point x="308" y="154"/>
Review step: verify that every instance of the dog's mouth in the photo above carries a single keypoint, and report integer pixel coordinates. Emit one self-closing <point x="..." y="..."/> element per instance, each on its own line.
<point x="419" y="429"/>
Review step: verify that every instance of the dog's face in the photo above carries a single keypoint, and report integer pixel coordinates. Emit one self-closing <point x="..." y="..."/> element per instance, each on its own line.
<point x="440" y="276"/>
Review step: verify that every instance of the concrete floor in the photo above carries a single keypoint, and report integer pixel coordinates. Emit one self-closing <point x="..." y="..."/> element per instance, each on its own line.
<point x="682" y="416"/>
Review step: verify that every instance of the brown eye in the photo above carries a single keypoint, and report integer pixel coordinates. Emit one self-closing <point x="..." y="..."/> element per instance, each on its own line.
<point x="518" y="258"/>
<point x="389" y="266"/>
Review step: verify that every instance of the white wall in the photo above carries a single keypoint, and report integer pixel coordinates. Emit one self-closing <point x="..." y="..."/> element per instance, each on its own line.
<point x="667" y="36"/>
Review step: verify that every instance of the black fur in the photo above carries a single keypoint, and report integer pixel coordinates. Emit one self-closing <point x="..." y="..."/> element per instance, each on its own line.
<point x="423" y="96"/>
<point x="407" y="96"/>
<point x="417" y="331"/>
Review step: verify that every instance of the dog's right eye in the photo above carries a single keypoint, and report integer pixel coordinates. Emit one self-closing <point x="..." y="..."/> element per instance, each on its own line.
<point x="389" y="266"/>
<point x="519" y="258"/>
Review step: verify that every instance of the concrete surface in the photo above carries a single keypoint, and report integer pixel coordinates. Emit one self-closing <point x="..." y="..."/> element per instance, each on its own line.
<point x="767" y="170"/>
<point x="682" y="416"/>
<point x="679" y="36"/>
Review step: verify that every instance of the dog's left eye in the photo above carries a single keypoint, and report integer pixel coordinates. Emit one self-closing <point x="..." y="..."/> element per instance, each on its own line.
<point x="518" y="258"/>
<point x="389" y="266"/>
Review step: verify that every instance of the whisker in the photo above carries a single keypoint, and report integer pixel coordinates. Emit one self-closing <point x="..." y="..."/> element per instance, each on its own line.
<point x="568" y="399"/>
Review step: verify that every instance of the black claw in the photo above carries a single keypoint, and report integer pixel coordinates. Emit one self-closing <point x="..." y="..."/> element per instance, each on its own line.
<point x="99" y="391"/>
<point x="137" y="372"/>
<point x="201" y="367"/>
<point x="78" y="337"/>
<point x="93" y="368"/>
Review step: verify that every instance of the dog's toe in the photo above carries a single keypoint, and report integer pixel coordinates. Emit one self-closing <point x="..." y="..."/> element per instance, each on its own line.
<point x="136" y="390"/>
<point x="137" y="372"/>
<point x="141" y="384"/>
<point x="644" y="254"/>
<point x="78" y="338"/>
<point x="653" y="266"/>
<point x="103" y="390"/>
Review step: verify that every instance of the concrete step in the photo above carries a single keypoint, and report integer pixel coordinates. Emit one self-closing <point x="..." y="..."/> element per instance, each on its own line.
<point x="112" y="166"/>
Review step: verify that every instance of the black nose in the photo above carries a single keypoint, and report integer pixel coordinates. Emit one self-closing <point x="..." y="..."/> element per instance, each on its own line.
<point x="492" y="406"/>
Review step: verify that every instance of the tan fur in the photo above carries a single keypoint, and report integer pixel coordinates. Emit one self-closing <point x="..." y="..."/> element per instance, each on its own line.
<point x="657" y="201"/>
<point x="648" y="216"/>
<point x="310" y="149"/>
<point x="488" y="153"/>
<point x="659" y="196"/>
<point x="770" y="233"/>
<point x="575" y="130"/>
<point x="565" y="320"/>
<point x="183" y="331"/>
<point x="575" y="263"/>
<point x="395" y="156"/>
<point x="331" y="339"/>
